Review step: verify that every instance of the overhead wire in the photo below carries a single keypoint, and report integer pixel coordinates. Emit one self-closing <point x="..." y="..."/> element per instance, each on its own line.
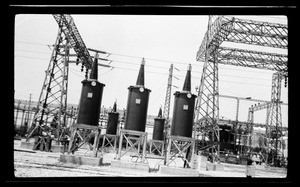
<point x="161" y="60"/>
<point x="159" y="73"/>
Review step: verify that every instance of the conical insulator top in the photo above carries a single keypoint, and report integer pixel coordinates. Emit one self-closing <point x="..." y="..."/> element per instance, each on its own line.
<point x="187" y="81"/>
<point x="141" y="76"/>
<point x="94" y="71"/>
<point x="114" y="107"/>
<point x="159" y="113"/>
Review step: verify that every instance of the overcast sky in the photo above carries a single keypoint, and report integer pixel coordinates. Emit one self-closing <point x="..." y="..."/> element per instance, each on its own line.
<point x="161" y="40"/>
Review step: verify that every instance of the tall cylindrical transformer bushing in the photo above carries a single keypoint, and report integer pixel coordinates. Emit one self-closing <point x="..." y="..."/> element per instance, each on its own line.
<point x="158" y="129"/>
<point x="90" y="102"/>
<point x="183" y="112"/>
<point x="137" y="106"/>
<point x="112" y="123"/>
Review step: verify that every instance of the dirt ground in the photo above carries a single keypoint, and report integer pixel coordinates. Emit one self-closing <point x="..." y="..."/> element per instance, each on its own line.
<point x="29" y="163"/>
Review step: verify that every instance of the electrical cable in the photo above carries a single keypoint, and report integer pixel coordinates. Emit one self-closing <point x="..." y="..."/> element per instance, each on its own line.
<point x="137" y="57"/>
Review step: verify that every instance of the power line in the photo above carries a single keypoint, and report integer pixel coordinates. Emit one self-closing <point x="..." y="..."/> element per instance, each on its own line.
<point x="31" y="57"/>
<point x="32" y="43"/>
<point x="192" y="71"/>
<point x="161" y="60"/>
<point x="28" y="51"/>
<point x="162" y="73"/>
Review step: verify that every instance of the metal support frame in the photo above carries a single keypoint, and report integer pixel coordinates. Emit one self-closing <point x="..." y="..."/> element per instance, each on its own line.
<point x="53" y="97"/>
<point x="166" y="111"/>
<point x="54" y="89"/>
<point x="137" y="142"/>
<point x="158" y="145"/>
<point x="111" y="140"/>
<point x="177" y="147"/>
<point x="234" y="30"/>
<point x="274" y="120"/>
<point x="207" y="103"/>
<point x="81" y="134"/>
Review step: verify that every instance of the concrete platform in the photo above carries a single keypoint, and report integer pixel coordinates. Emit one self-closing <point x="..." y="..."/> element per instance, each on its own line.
<point x="200" y="163"/>
<point x="130" y="165"/>
<point x="30" y="144"/>
<point x="81" y="160"/>
<point x="178" y="171"/>
<point x="214" y="167"/>
<point x="26" y="145"/>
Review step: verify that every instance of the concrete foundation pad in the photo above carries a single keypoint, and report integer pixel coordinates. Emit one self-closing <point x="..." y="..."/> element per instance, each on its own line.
<point x="81" y="160"/>
<point x="130" y="165"/>
<point x="178" y="171"/>
<point x="214" y="167"/>
<point x="57" y="148"/>
<point x="26" y="145"/>
<point x="54" y="148"/>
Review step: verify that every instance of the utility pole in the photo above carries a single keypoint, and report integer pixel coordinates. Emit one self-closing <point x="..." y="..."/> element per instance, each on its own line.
<point x="166" y="111"/>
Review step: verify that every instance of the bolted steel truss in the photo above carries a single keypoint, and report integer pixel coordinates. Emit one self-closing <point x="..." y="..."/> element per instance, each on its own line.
<point x="211" y="52"/>
<point x="274" y="120"/>
<point x="207" y="103"/>
<point x="53" y="97"/>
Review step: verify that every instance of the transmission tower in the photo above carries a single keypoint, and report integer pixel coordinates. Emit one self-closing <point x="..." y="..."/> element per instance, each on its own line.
<point x="166" y="110"/>
<point x="274" y="120"/>
<point x="233" y="30"/>
<point x="53" y="97"/>
<point x="207" y="103"/>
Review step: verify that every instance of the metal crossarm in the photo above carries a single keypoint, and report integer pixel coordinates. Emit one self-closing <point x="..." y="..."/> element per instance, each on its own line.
<point x="255" y="59"/>
<point x="236" y="30"/>
<point x="257" y="33"/>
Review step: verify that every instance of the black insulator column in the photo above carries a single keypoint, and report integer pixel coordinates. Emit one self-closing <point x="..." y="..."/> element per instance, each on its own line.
<point x="158" y="129"/>
<point x="183" y="113"/>
<point x="90" y="99"/>
<point x="112" y="122"/>
<point x="137" y="104"/>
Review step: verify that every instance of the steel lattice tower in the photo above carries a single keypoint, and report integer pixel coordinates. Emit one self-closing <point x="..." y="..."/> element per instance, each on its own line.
<point x="166" y="111"/>
<point x="207" y="103"/>
<point x="53" y="97"/>
<point x="211" y="52"/>
<point x="274" y="120"/>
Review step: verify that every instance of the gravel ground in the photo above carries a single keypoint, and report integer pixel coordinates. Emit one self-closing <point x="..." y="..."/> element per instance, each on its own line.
<point x="28" y="163"/>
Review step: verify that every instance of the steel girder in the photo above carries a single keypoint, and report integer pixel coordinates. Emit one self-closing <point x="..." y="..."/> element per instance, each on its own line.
<point x="236" y="30"/>
<point x="66" y="22"/>
<point x="254" y="59"/>
<point x="231" y="29"/>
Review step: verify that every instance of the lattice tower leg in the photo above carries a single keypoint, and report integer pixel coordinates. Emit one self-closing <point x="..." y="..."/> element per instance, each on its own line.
<point x="53" y="97"/>
<point x="207" y="104"/>
<point x="274" y="121"/>
<point x="166" y="111"/>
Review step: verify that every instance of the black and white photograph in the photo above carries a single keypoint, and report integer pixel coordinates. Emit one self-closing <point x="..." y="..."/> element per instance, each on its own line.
<point x="150" y="95"/>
